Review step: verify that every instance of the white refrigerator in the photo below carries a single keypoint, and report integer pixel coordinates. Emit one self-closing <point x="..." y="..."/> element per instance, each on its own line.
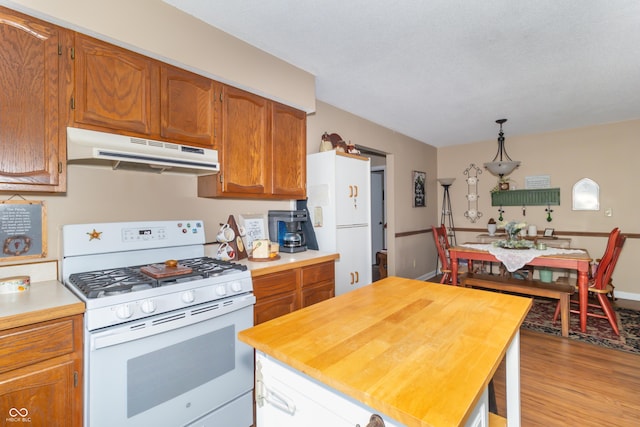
<point x="339" y="193"/>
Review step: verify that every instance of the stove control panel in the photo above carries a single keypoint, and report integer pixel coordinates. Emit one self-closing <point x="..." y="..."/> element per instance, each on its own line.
<point x="116" y="309"/>
<point x="106" y="238"/>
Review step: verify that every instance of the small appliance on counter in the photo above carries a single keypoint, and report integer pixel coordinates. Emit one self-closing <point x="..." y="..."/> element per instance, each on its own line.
<point x="286" y="228"/>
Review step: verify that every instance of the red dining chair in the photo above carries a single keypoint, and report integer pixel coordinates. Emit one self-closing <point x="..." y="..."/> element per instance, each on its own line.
<point x="601" y="284"/>
<point x="442" y="245"/>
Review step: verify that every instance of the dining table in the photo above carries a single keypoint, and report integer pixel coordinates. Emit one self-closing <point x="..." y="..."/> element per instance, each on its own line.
<point x="515" y="259"/>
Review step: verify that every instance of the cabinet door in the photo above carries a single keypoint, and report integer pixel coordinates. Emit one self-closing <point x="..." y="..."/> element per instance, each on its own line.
<point x="288" y="151"/>
<point x="32" y="141"/>
<point x="318" y="283"/>
<point x="39" y="396"/>
<point x="270" y="308"/>
<point x="187" y="107"/>
<point x="352" y="191"/>
<point x="115" y="89"/>
<point x="353" y="269"/>
<point x="245" y="132"/>
<point x="276" y="295"/>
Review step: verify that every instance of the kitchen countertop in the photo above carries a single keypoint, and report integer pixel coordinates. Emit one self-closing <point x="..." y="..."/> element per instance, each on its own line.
<point x="288" y="261"/>
<point x="50" y="299"/>
<point x="419" y="352"/>
<point x="44" y="301"/>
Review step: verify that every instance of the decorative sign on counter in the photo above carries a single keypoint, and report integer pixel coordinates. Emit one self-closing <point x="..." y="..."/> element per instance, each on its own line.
<point x="23" y="230"/>
<point x="255" y="228"/>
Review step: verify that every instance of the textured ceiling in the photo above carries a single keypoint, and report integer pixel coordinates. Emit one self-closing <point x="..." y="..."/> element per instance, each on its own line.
<point x="442" y="71"/>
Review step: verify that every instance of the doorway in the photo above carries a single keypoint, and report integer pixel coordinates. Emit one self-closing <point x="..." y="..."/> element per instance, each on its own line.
<point x="378" y="206"/>
<point x="378" y="222"/>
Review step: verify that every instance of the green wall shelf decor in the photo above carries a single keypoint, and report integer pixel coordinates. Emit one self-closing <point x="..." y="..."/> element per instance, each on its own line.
<point x="537" y="197"/>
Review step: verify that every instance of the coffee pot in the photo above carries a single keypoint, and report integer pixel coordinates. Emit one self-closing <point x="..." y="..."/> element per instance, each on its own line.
<point x="286" y="229"/>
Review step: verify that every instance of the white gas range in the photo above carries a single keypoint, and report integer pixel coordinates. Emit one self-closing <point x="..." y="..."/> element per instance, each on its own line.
<point x="161" y="325"/>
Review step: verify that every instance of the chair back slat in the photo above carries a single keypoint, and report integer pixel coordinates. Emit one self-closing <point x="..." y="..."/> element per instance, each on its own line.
<point x="609" y="259"/>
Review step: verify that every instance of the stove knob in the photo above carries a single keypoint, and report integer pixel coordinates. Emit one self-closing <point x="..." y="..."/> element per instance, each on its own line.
<point x="236" y="286"/>
<point x="189" y="296"/>
<point x="221" y="290"/>
<point x="148" y="306"/>
<point x="124" y="311"/>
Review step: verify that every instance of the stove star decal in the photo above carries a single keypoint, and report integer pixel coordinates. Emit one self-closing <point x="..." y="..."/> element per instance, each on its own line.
<point x="94" y="235"/>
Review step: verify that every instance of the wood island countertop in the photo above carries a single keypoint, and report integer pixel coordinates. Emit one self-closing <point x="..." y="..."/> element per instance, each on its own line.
<point x="419" y="352"/>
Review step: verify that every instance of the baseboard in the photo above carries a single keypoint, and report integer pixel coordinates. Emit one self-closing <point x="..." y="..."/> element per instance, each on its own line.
<point x="626" y="295"/>
<point x="427" y="276"/>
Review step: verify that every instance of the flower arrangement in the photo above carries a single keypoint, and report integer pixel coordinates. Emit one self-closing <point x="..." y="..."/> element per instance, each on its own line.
<point x="513" y="229"/>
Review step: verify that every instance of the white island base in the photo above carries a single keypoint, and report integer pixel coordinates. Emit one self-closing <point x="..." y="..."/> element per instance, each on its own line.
<point x="286" y="397"/>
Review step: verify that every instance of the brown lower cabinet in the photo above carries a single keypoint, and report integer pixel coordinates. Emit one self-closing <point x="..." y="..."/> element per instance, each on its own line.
<point x="286" y="291"/>
<point x="41" y="373"/>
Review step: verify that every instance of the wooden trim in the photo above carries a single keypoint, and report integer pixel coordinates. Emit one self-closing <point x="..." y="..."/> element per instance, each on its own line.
<point x="412" y="233"/>
<point x="560" y="233"/>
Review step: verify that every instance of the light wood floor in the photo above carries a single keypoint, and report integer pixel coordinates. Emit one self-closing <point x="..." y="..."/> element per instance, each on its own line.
<point x="565" y="382"/>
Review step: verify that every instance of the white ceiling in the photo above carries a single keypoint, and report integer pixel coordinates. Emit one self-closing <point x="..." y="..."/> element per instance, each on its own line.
<point x="442" y="71"/>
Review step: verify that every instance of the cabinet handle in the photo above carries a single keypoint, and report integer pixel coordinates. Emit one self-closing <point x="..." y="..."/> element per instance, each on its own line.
<point x="376" y="421"/>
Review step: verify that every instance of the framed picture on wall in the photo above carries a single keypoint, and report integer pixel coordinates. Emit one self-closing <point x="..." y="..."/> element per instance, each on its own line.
<point x="419" y="193"/>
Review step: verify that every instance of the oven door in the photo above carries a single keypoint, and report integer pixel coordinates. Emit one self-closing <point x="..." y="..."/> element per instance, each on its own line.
<point x="173" y="369"/>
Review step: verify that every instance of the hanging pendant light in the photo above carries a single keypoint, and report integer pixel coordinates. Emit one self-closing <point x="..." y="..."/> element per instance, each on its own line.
<point x="502" y="164"/>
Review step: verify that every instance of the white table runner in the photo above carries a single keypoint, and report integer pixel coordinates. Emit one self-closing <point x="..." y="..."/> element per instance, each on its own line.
<point x="515" y="259"/>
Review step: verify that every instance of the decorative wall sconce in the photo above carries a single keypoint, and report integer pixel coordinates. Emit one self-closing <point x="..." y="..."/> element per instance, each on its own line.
<point x="472" y="212"/>
<point x="502" y="164"/>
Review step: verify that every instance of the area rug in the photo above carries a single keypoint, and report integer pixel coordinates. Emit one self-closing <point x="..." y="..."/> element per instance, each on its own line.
<point x="540" y="318"/>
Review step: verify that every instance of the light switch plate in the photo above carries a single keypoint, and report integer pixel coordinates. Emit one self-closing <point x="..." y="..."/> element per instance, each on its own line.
<point x="317" y="216"/>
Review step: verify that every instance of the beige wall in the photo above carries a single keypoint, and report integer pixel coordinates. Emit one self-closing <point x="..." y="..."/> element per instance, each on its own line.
<point x="409" y="256"/>
<point x="603" y="153"/>
<point x="607" y="154"/>
<point x="156" y="29"/>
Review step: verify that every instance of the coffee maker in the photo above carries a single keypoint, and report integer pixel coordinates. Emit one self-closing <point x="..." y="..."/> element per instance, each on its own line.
<point x="285" y="228"/>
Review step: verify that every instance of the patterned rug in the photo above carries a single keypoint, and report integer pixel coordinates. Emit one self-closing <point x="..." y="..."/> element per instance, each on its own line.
<point x="540" y="318"/>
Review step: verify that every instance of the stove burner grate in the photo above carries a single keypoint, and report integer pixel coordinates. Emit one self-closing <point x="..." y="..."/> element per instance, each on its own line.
<point x="115" y="281"/>
<point x="95" y="284"/>
<point x="212" y="267"/>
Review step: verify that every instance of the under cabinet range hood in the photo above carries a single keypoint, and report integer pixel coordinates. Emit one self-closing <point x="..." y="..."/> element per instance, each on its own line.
<point x="88" y="147"/>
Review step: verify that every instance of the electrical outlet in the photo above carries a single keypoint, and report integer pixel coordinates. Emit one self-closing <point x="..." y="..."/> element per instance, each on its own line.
<point x="608" y="212"/>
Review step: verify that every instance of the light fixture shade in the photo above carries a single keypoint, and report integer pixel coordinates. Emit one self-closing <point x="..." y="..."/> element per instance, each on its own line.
<point x="446" y="181"/>
<point x="501" y="168"/>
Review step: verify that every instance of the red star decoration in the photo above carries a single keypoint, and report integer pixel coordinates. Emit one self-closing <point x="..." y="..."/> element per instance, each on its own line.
<point x="94" y="235"/>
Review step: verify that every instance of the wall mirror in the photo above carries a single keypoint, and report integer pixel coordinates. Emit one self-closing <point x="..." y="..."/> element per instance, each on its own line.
<point x="586" y="195"/>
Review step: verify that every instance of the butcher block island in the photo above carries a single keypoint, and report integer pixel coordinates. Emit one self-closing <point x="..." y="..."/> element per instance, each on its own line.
<point x="398" y="352"/>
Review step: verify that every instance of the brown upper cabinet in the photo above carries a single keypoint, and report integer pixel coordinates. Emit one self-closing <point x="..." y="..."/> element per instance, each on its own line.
<point x="262" y="150"/>
<point x="288" y="151"/>
<point x="117" y="90"/>
<point x="187" y="104"/>
<point x="35" y="72"/>
<point x="53" y="78"/>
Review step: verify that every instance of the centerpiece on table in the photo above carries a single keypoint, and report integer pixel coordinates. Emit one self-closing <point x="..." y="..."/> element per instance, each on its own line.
<point x="513" y="230"/>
